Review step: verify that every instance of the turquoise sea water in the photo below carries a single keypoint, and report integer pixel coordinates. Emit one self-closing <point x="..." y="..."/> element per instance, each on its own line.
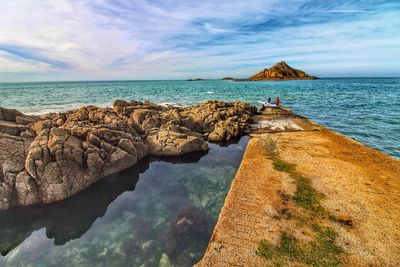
<point x="366" y="109"/>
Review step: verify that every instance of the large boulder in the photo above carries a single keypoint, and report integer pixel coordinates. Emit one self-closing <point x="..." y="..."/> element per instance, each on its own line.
<point x="227" y="130"/>
<point x="174" y="140"/>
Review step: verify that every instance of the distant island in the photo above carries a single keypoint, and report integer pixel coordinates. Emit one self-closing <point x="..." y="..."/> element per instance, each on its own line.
<point x="280" y="71"/>
<point x="193" y="80"/>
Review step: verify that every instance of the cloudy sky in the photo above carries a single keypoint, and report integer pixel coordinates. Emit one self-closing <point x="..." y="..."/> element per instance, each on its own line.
<point x="172" y="39"/>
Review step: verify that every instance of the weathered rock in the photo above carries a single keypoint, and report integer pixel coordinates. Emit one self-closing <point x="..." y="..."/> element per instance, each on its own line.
<point x="9" y="114"/>
<point x="50" y="157"/>
<point x="25" y="120"/>
<point x="11" y="128"/>
<point x="174" y="140"/>
<point x="39" y="126"/>
<point x="26" y="189"/>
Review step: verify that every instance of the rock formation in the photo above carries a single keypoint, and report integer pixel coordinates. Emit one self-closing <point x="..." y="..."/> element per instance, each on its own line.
<point x="51" y="157"/>
<point x="281" y="71"/>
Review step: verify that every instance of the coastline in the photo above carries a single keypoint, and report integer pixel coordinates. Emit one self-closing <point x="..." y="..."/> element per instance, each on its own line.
<point x="358" y="191"/>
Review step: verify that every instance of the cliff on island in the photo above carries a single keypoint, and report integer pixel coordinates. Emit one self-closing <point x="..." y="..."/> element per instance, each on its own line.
<point x="51" y="157"/>
<point x="281" y="71"/>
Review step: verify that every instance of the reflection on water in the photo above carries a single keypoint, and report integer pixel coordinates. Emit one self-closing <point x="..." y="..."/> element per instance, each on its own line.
<point x="159" y="210"/>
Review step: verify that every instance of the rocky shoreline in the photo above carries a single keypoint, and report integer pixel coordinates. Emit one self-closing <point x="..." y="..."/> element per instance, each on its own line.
<point x="51" y="157"/>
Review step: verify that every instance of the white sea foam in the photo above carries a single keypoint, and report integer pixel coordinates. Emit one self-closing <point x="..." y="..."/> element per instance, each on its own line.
<point x="60" y="108"/>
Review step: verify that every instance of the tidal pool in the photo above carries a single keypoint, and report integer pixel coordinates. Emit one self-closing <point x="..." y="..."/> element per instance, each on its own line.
<point x="160" y="212"/>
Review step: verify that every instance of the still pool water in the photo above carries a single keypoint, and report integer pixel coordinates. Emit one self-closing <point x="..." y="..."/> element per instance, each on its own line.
<point x="159" y="210"/>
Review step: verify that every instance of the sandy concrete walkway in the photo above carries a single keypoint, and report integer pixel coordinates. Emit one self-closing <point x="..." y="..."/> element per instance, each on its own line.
<point x="360" y="188"/>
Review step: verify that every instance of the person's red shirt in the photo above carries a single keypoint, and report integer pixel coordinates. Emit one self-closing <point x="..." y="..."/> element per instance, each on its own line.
<point x="277" y="101"/>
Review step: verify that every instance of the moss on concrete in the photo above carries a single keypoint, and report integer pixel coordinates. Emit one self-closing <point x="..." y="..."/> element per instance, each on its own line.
<point x="320" y="249"/>
<point x="319" y="252"/>
<point x="283" y="166"/>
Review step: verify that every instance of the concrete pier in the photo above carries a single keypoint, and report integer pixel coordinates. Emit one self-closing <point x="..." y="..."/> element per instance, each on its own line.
<point x="359" y="189"/>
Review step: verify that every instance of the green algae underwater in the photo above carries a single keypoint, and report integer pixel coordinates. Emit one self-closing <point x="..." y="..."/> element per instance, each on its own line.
<point x="160" y="212"/>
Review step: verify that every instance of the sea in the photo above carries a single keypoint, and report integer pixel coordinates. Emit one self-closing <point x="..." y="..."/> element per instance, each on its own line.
<point x="130" y="219"/>
<point x="365" y="109"/>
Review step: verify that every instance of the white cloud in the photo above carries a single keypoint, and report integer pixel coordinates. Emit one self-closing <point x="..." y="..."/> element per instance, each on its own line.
<point x="142" y="40"/>
<point x="7" y="65"/>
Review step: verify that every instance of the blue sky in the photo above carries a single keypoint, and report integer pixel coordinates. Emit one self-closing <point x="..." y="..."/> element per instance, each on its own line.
<point x="138" y="39"/>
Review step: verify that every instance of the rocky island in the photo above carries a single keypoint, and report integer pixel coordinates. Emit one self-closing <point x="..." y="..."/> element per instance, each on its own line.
<point x="279" y="71"/>
<point x="51" y="157"/>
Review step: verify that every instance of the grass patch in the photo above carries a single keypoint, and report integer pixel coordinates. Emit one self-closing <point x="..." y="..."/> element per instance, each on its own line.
<point x="276" y="217"/>
<point x="306" y="196"/>
<point x="319" y="252"/>
<point x="283" y="166"/>
<point x="288" y="248"/>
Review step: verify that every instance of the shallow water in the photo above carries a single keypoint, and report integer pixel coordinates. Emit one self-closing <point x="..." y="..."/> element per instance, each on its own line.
<point x="160" y="206"/>
<point x="366" y="109"/>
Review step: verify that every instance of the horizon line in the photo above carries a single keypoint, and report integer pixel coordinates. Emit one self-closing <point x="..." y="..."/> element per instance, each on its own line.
<point x="201" y="79"/>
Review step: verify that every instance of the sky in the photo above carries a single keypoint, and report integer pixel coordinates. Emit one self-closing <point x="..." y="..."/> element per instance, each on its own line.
<point x="60" y="40"/>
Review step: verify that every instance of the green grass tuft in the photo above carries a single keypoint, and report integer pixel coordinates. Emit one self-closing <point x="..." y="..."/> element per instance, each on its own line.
<point x="276" y="217"/>
<point x="283" y="166"/>
<point x="305" y="195"/>
<point x="321" y="250"/>
<point x="265" y="249"/>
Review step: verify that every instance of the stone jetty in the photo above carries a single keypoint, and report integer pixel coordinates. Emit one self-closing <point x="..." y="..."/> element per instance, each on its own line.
<point x="305" y="195"/>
